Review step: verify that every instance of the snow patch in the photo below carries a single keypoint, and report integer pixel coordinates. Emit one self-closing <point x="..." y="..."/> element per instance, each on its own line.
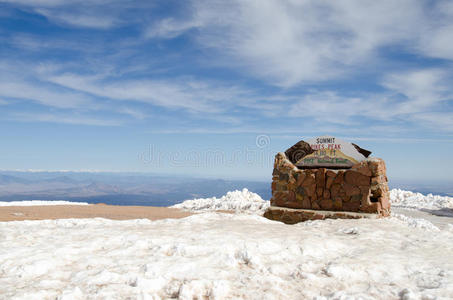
<point x="415" y="222"/>
<point x="40" y="203"/>
<point x="239" y="201"/>
<point x="408" y="199"/>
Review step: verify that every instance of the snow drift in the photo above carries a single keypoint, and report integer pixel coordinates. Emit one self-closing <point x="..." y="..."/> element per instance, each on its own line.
<point x="239" y="201"/>
<point x="407" y="199"/>
<point x="40" y="202"/>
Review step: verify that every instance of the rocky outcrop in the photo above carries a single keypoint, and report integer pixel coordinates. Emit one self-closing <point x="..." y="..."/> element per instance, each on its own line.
<point x="362" y="188"/>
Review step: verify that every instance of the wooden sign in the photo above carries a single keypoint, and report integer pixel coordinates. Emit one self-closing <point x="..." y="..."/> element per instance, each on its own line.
<point x="331" y="152"/>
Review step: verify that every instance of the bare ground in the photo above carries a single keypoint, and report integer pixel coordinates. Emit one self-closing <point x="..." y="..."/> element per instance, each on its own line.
<point x="114" y="212"/>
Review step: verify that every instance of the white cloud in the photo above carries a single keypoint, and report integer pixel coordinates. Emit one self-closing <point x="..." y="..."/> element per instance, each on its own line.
<point x="436" y="36"/>
<point x="44" y="84"/>
<point x="329" y="107"/>
<point x="34" y="42"/>
<point x="414" y="97"/>
<point x="34" y="88"/>
<point x="410" y="96"/>
<point x="96" y="14"/>
<point x="39" y="2"/>
<point x="79" y="19"/>
<point x="63" y="118"/>
<point x="136" y="114"/>
<point x="169" y="28"/>
<point x="284" y="42"/>
<point x="191" y="95"/>
<point x="60" y="3"/>
<point x="424" y="89"/>
<point x="289" y="42"/>
<point x="440" y="121"/>
<point x="39" y="93"/>
<point x="437" y="42"/>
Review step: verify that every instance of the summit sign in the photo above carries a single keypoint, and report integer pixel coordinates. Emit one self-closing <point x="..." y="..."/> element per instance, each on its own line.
<point x="326" y="177"/>
<point x="331" y="152"/>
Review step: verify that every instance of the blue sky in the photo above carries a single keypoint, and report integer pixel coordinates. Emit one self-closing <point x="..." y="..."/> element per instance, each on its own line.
<point x="189" y="87"/>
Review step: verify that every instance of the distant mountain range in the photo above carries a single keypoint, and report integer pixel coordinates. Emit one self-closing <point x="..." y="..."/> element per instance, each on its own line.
<point x="146" y="189"/>
<point x="117" y="188"/>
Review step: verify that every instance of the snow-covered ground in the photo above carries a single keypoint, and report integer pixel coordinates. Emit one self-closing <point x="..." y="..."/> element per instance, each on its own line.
<point x="229" y="256"/>
<point x="40" y="202"/>
<point x="221" y="256"/>
<point x="240" y="201"/>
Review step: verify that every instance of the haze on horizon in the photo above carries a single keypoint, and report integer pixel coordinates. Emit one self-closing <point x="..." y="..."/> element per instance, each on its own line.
<point x="216" y="88"/>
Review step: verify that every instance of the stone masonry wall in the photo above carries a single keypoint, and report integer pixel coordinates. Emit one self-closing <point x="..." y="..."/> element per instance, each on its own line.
<point x="363" y="188"/>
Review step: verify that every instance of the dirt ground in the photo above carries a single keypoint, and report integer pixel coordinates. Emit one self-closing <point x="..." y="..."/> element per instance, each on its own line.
<point x="19" y="213"/>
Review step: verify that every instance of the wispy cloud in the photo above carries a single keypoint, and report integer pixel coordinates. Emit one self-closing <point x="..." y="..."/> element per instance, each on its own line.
<point x="95" y="14"/>
<point x="136" y="114"/>
<point x="35" y="92"/>
<point x="79" y="19"/>
<point x="63" y="118"/>
<point x="282" y="42"/>
<point x="329" y="107"/>
<point x="423" y="88"/>
<point x="60" y="100"/>
<point x="288" y="42"/>
<point x="49" y="3"/>
<point x="188" y="94"/>
<point x="436" y="36"/>
<point x="440" y="121"/>
<point x="170" y="28"/>
<point x="288" y="50"/>
<point x="29" y="42"/>
<point x="413" y="97"/>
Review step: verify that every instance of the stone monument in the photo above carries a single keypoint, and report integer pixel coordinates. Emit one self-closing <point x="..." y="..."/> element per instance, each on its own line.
<point x="327" y="177"/>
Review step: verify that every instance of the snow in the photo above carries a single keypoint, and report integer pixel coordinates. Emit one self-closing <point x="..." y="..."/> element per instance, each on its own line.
<point x="228" y="256"/>
<point x="407" y="199"/>
<point x="239" y="201"/>
<point x="216" y="255"/>
<point x="40" y="203"/>
<point x="416" y="222"/>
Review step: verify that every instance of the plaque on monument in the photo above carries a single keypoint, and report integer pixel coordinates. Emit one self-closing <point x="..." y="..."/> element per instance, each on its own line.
<point x="331" y="152"/>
